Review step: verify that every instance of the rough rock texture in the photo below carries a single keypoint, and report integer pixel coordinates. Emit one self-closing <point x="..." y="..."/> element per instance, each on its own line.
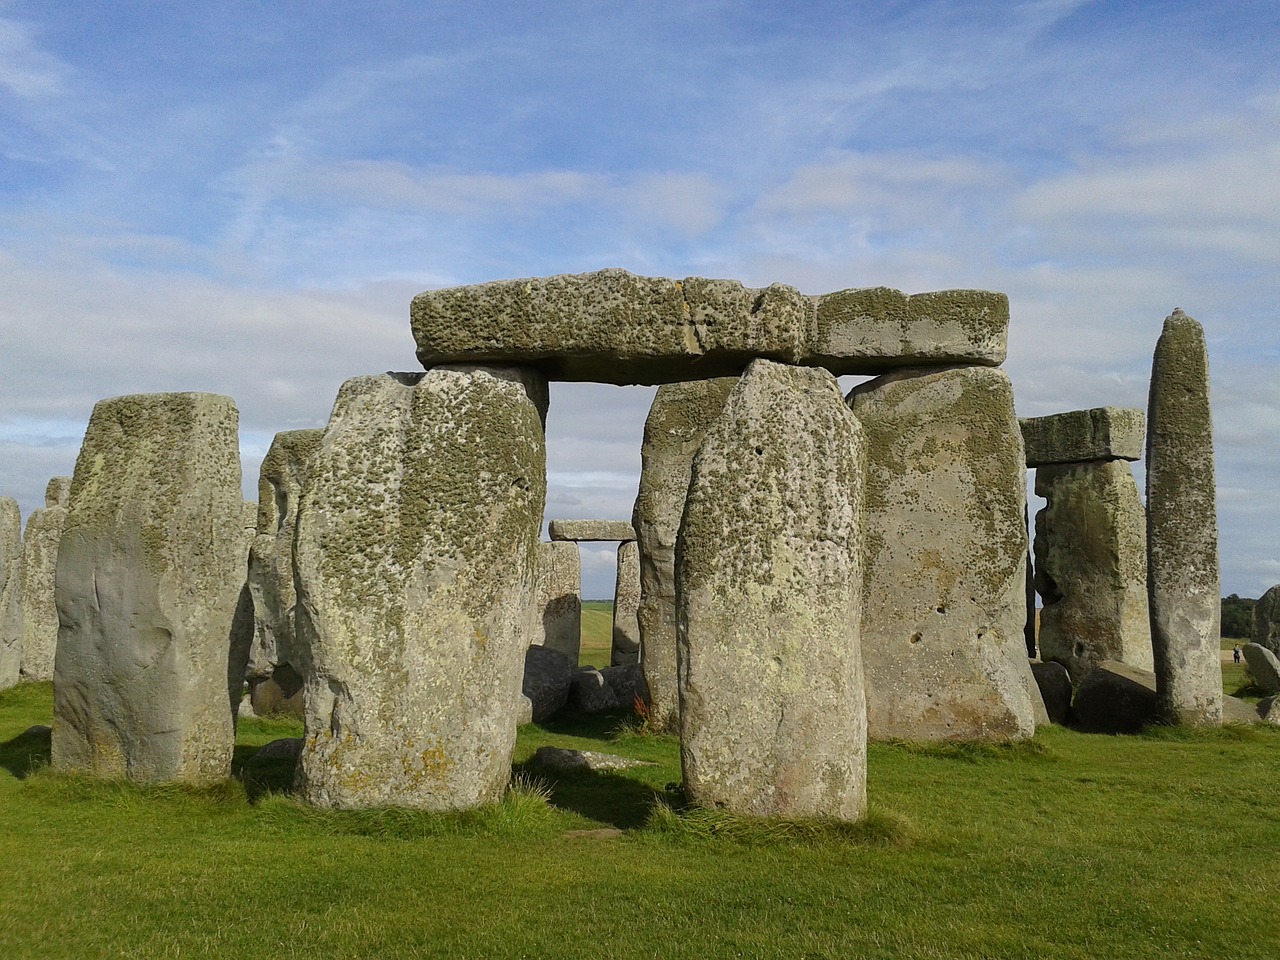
<point x="1055" y="689"/>
<point x="673" y="432"/>
<point x="590" y="692"/>
<point x="548" y="675"/>
<point x="562" y="761"/>
<point x="627" y="682"/>
<point x="615" y="327"/>
<point x="281" y="480"/>
<point x="39" y="564"/>
<point x="1269" y="710"/>
<point x="1082" y="436"/>
<point x="768" y="575"/>
<point x="1235" y="710"/>
<point x="626" y="606"/>
<point x="1266" y="620"/>
<point x="1091" y="567"/>
<point x="415" y="560"/>
<point x="557" y="602"/>
<point x="590" y="530"/>
<point x="945" y="592"/>
<point x="1182" y="528"/>
<point x="1263" y="666"/>
<point x="1115" y="698"/>
<point x="10" y="592"/>
<point x="148" y="580"/>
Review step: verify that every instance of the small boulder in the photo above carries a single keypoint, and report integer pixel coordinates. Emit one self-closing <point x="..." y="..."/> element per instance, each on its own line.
<point x="1116" y="698"/>
<point x="1263" y="666"/>
<point x="562" y="760"/>
<point x="590" y="692"/>
<point x="286" y="749"/>
<point x="548" y="674"/>
<point x="1235" y="710"/>
<point x="1269" y="710"/>
<point x="1055" y="689"/>
<point x="627" y="681"/>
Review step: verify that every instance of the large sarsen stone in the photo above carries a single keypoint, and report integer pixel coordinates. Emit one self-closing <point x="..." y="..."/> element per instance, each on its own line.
<point x="10" y="592"/>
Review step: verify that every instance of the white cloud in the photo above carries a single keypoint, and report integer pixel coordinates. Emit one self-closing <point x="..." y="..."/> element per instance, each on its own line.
<point x="26" y="71"/>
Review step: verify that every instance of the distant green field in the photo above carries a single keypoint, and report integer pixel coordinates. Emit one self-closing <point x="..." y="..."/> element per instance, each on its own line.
<point x="597" y="633"/>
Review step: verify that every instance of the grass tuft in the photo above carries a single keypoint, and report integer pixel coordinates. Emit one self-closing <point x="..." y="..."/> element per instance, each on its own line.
<point x="975" y="751"/>
<point x="879" y="828"/>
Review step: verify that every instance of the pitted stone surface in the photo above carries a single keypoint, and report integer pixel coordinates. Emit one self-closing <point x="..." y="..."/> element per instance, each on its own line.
<point x="557" y="604"/>
<point x="768" y="575"/>
<point x="39" y="612"/>
<point x="57" y="493"/>
<point x="10" y="592"/>
<point x="1083" y="436"/>
<point x="626" y="605"/>
<point x="1264" y="667"/>
<point x="148" y="578"/>
<point x="1266" y="620"/>
<point x="1182" y="528"/>
<point x="673" y="432"/>
<point x="615" y="327"/>
<point x="588" y="530"/>
<point x="1091" y="567"/>
<point x="945" y="594"/>
<point x="416" y="557"/>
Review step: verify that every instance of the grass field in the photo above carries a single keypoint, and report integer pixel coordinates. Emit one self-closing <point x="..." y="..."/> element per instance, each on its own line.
<point x="597" y="633"/>
<point x="1072" y="846"/>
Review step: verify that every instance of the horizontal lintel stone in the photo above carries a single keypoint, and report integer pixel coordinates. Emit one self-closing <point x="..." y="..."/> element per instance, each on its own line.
<point x="1082" y="436"/>
<point x="612" y="326"/>
<point x="591" y="530"/>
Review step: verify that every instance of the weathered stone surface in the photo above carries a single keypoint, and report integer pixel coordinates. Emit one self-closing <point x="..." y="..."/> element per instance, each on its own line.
<point x="1263" y="666"/>
<point x="768" y="577"/>
<point x="626" y="606"/>
<point x="286" y="749"/>
<point x="590" y="692"/>
<point x="1083" y="436"/>
<point x="1266" y="620"/>
<point x="1182" y="528"/>
<point x="1269" y="710"/>
<point x="945" y="594"/>
<point x="148" y="579"/>
<point x="10" y="592"/>
<point x="415" y="560"/>
<point x="563" y="761"/>
<point x="281" y="692"/>
<point x="615" y="327"/>
<point x="627" y="682"/>
<point x="57" y="492"/>
<point x="1235" y="710"/>
<point x="557" y="603"/>
<point x="1055" y="689"/>
<point x="1091" y="567"/>
<point x="673" y="432"/>
<point x="548" y="675"/>
<point x="1115" y="698"/>
<point x="39" y="565"/>
<point x="585" y="530"/>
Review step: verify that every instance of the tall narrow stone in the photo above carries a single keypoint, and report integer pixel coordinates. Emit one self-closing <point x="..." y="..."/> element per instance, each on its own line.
<point x="768" y="575"/>
<point x="39" y="565"/>
<point x="626" y="604"/>
<point x="1091" y="567"/>
<point x="1266" y="620"/>
<point x="1182" y="528"/>
<point x="945" y="592"/>
<point x="148" y="578"/>
<point x="10" y="592"/>
<point x="557" y="606"/>
<point x="416" y="558"/>
<point x="673" y="432"/>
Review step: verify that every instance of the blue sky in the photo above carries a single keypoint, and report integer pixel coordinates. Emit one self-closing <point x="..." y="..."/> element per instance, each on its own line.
<point x="243" y="197"/>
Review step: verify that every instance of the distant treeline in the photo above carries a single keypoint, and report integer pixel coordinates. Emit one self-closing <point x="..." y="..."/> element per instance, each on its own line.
<point x="1237" y="616"/>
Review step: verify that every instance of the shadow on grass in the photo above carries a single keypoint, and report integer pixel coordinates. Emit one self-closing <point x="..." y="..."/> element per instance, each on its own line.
<point x="262" y="777"/>
<point x="27" y="752"/>
<point x="605" y="797"/>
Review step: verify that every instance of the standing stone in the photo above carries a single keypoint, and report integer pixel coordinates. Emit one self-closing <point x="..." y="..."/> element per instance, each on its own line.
<point x="1182" y="528"/>
<point x="148" y="578"/>
<point x="673" y="432"/>
<point x="557" y="606"/>
<point x="1091" y="567"/>
<point x="1263" y="667"/>
<point x="275" y="684"/>
<point x="39" y="565"/>
<point x="768" y="577"/>
<point x="945" y="593"/>
<point x="416" y="558"/>
<point x="1266" y="620"/>
<point x="626" y="604"/>
<point x="10" y="592"/>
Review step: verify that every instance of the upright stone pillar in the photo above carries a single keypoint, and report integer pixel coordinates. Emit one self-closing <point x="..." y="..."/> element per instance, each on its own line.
<point x="677" y="423"/>
<point x="557" y="607"/>
<point x="945" y="593"/>
<point x="1266" y="620"/>
<point x="768" y="575"/>
<point x="626" y="602"/>
<point x="148" y="577"/>
<point x="416" y="558"/>
<point x="1182" y="528"/>
<point x="10" y="592"/>
<point x="39" y="564"/>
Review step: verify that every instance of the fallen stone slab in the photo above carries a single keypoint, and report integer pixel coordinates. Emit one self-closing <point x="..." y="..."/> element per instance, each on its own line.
<point x="590" y="530"/>
<point x="615" y="327"/>
<point x="1115" y="698"/>
<point x="1263" y="666"/>
<point x="564" y="761"/>
<point x="287" y="749"/>
<point x="1235" y="710"/>
<point x="548" y="675"/>
<point x="590" y="692"/>
<point x="1084" y="436"/>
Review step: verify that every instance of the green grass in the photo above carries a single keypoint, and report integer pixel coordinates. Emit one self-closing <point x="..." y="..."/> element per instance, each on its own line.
<point x="597" y="633"/>
<point x="1073" y="846"/>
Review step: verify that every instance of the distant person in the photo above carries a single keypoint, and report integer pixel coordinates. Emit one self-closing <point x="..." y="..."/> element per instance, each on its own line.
<point x="1235" y="653"/>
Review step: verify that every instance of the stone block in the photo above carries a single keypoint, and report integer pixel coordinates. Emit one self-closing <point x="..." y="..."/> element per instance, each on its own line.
<point x="1115" y="698"/>
<point x="626" y="604"/>
<point x="945" y="595"/>
<point x="547" y="679"/>
<point x="614" y="327"/>
<point x="1055" y="689"/>
<point x="39" y="565"/>
<point x="1266" y="620"/>
<point x="10" y="592"/>
<point x="557" y="602"/>
<point x="1084" y="436"/>
<point x="149" y="573"/>
<point x="768" y="580"/>
<point x="586" y="530"/>
<point x="1264" y="667"/>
